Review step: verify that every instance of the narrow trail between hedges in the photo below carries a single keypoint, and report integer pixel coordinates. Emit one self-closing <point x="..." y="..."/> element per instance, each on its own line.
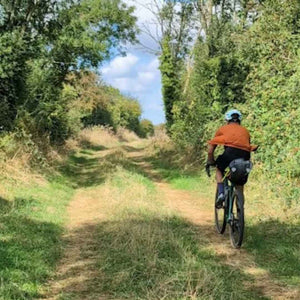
<point x="77" y="276"/>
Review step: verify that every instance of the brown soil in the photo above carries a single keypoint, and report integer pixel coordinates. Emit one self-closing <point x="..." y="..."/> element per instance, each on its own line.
<point x="78" y="266"/>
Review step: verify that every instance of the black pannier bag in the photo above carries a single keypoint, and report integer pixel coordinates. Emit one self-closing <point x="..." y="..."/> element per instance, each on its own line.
<point x="239" y="171"/>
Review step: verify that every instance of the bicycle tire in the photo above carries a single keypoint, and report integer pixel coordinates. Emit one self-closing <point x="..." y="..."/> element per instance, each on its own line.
<point x="220" y="217"/>
<point x="238" y="223"/>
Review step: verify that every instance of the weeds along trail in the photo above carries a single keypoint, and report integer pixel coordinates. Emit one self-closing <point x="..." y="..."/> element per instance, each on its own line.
<point x="131" y="235"/>
<point x="199" y="211"/>
<point x="201" y="215"/>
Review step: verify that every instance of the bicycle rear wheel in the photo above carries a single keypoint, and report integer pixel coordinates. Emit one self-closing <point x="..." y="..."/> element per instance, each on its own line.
<point x="237" y="223"/>
<point x="220" y="217"/>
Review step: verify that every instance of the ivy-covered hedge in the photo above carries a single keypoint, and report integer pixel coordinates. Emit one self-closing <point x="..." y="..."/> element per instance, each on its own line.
<point x="252" y="65"/>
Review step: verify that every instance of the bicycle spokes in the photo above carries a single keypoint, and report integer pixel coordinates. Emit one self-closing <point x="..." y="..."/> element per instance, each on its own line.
<point x="237" y="221"/>
<point x="220" y="218"/>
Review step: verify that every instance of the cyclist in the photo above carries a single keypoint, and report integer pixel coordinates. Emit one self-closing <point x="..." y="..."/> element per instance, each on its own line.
<point x="236" y="142"/>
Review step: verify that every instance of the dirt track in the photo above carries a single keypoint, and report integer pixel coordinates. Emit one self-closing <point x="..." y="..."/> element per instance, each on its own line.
<point x="84" y="212"/>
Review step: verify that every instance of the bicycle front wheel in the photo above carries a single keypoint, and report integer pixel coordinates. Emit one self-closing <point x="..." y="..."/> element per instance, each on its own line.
<point x="220" y="217"/>
<point x="237" y="220"/>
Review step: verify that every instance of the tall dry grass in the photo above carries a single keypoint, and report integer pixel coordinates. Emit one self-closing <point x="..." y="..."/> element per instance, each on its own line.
<point x="103" y="136"/>
<point x="126" y="135"/>
<point x="21" y="159"/>
<point x="164" y="149"/>
<point x="160" y="140"/>
<point x="97" y="136"/>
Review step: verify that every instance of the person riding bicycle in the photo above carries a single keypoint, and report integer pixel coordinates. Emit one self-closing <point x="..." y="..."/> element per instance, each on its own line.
<point x="236" y="141"/>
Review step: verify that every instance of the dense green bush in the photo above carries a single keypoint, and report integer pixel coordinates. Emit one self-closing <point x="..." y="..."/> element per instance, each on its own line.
<point x="146" y="128"/>
<point x="101" y="104"/>
<point x="272" y="92"/>
<point x="250" y="63"/>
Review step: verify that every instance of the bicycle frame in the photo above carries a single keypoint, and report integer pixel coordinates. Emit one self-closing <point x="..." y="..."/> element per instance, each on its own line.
<point x="233" y="217"/>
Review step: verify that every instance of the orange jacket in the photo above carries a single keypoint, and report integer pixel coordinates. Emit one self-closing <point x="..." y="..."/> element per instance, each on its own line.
<point x="233" y="135"/>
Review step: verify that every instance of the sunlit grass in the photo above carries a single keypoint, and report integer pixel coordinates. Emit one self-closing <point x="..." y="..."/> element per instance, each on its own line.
<point x="143" y="249"/>
<point x="146" y="251"/>
<point x="30" y="244"/>
<point x="272" y="228"/>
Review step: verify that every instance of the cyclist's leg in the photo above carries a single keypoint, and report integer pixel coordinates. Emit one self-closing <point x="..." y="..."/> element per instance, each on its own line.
<point x="219" y="178"/>
<point x="219" y="175"/>
<point x="222" y="163"/>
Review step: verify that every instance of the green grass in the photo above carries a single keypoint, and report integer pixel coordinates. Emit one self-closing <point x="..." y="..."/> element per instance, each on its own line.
<point x="274" y="243"/>
<point x="196" y="180"/>
<point x="200" y="184"/>
<point x="275" y="247"/>
<point x="31" y="225"/>
<point x="32" y="221"/>
<point x="146" y="251"/>
<point x="30" y="243"/>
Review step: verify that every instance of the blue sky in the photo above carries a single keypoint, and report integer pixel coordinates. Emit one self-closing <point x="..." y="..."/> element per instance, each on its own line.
<point x="137" y="74"/>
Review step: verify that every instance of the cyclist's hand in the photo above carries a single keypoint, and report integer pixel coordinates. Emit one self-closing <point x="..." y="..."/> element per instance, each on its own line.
<point x="207" y="169"/>
<point x="209" y="163"/>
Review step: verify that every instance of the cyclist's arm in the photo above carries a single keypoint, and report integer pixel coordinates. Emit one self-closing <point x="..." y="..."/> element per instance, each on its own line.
<point x="212" y="146"/>
<point x="210" y="156"/>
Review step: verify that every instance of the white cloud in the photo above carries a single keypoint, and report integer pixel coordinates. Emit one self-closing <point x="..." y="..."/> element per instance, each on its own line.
<point x="141" y="82"/>
<point x="132" y="74"/>
<point x="120" y="66"/>
<point x="147" y="21"/>
<point x="149" y="73"/>
<point x="146" y="76"/>
<point x="128" y="85"/>
<point x="137" y="74"/>
<point x="153" y="65"/>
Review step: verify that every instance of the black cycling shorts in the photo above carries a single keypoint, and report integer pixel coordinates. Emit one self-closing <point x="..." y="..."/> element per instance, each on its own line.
<point x="229" y="155"/>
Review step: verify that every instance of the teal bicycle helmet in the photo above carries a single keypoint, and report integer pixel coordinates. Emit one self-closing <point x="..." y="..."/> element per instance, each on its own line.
<point x="230" y="113"/>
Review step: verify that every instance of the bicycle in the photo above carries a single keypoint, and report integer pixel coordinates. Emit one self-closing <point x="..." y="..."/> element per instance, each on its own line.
<point x="232" y="210"/>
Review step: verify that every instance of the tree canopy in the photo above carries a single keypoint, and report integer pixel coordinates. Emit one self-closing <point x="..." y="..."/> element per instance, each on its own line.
<point x="42" y="43"/>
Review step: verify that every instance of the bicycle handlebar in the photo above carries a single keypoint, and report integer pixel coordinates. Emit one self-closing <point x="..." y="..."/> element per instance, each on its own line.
<point x="207" y="169"/>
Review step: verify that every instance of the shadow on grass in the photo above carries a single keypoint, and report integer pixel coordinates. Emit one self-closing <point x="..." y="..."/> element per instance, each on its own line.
<point x="131" y="149"/>
<point x="86" y="145"/>
<point x="83" y="171"/>
<point x="275" y="246"/>
<point x="166" y="169"/>
<point x="5" y="205"/>
<point x="29" y="250"/>
<point x="160" y="169"/>
<point x="145" y="257"/>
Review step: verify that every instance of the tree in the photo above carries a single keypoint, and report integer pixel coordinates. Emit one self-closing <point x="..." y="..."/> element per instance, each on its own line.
<point x="170" y="81"/>
<point x="43" y="41"/>
<point x="173" y="21"/>
<point x="146" y="128"/>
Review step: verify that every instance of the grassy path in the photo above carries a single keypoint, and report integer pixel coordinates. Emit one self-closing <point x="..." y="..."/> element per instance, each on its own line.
<point x="132" y="235"/>
<point x="199" y="211"/>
